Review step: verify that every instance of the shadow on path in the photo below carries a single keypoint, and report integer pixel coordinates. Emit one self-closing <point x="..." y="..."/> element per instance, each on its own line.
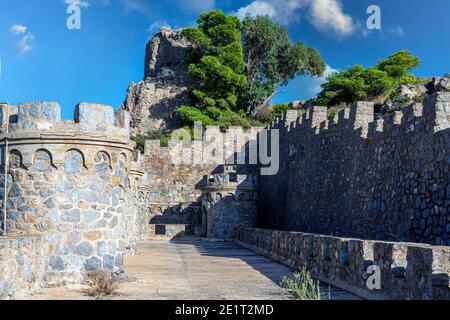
<point x="272" y="270"/>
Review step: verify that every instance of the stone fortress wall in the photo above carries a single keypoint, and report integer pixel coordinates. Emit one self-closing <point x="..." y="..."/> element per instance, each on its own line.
<point x="74" y="192"/>
<point x="354" y="176"/>
<point x="176" y="197"/>
<point x="79" y="196"/>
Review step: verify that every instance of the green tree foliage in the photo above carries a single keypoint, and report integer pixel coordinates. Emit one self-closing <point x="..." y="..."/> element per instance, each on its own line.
<point x="158" y="134"/>
<point x="358" y="83"/>
<point x="237" y="67"/>
<point x="279" y="109"/>
<point x="217" y="69"/>
<point x="272" y="59"/>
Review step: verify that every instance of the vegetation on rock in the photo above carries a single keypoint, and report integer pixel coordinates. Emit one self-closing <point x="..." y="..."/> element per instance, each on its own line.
<point x="158" y="134"/>
<point x="217" y="70"/>
<point x="374" y="83"/>
<point x="237" y="68"/>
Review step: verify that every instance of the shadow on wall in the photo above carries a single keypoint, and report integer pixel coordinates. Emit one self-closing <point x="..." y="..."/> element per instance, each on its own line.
<point x="354" y="176"/>
<point x="168" y="221"/>
<point x="407" y="270"/>
<point x="229" y="203"/>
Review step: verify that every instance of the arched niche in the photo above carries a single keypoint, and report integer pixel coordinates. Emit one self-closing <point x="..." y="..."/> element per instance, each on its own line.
<point x="73" y="161"/>
<point x="102" y="162"/>
<point x="43" y="160"/>
<point x="15" y="159"/>
<point x="122" y="161"/>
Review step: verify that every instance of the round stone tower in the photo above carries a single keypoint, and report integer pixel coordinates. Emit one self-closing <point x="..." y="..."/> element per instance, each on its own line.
<point x="73" y="181"/>
<point x="229" y="203"/>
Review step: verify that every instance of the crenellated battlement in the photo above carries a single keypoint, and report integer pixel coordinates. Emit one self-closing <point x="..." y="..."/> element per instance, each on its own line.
<point x="45" y="117"/>
<point x="230" y="181"/>
<point x="434" y="112"/>
<point x="358" y="176"/>
<point x="231" y="146"/>
<point x="37" y="126"/>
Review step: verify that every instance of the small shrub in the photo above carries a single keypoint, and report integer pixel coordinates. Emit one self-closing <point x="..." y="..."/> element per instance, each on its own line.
<point x="158" y="134"/>
<point x="301" y="286"/>
<point x="279" y="108"/>
<point x="420" y="98"/>
<point x="332" y="112"/>
<point x="404" y="102"/>
<point x="102" y="284"/>
<point x="257" y="123"/>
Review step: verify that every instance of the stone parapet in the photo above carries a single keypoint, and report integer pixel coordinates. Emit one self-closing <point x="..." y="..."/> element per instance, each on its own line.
<point x="89" y="119"/>
<point x="409" y="271"/>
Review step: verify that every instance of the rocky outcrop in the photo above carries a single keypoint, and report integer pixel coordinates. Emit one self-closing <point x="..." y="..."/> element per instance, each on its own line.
<point x="409" y="94"/>
<point x="166" y="51"/>
<point x="154" y="101"/>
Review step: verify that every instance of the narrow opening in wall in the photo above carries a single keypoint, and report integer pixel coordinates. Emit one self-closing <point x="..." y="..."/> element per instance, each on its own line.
<point x="160" y="230"/>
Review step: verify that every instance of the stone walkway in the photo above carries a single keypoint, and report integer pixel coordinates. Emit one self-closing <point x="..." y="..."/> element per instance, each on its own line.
<point x="195" y="269"/>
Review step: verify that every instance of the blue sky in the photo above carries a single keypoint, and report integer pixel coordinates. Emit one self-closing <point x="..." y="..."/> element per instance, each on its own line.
<point x="43" y="60"/>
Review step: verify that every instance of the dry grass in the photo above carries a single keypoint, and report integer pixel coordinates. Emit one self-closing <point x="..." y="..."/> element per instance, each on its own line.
<point x="102" y="284"/>
<point x="302" y="286"/>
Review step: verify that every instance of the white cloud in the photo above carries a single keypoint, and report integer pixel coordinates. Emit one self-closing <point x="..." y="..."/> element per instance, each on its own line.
<point x="385" y="32"/>
<point x="157" y="25"/>
<point x="325" y="15"/>
<point x="80" y="3"/>
<point x="317" y="82"/>
<point x="257" y="8"/>
<point x="24" y="44"/>
<point x="328" y="15"/>
<point x="283" y="11"/>
<point x="18" y="29"/>
<point x="397" y="32"/>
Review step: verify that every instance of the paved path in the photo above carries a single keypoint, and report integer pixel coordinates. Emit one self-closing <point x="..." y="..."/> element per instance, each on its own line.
<point x="195" y="269"/>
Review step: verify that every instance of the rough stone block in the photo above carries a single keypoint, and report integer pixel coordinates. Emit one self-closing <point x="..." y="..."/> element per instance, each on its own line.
<point x="95" y="116"/>
<point x="38" y="115"/>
